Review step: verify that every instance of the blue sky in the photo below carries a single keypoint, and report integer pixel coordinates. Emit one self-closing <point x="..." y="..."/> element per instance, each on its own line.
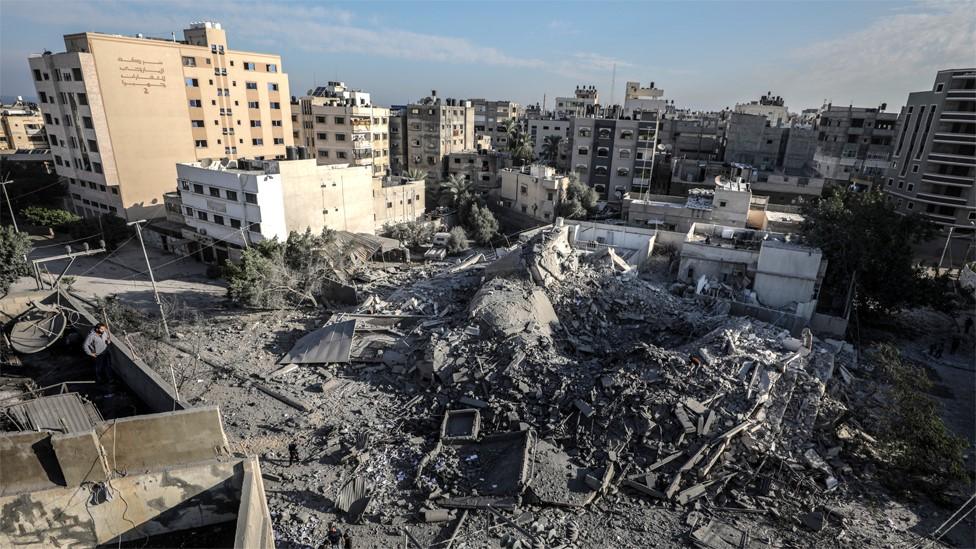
<point x="704" y="54"/>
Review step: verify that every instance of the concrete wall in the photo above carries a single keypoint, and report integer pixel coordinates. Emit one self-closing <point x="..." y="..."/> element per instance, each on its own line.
<point x="670" y="238"/>
<point x="714" y="261"/>
<point x="27" y="462"/>
<point x="254" y="528"/>
<point x="142" y="380"/>
<point x="786" y="274"/>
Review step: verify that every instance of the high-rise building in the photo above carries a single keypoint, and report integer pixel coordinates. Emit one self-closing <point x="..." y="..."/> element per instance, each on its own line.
<point x="431" y="129"/>
<point x="854" y="144"/>
<point x="770" y="106"/>
<point x="122" y="111"/>
<point x="21" y="127"/>
<point x="615" y="156"/>
<point x="934" y="161"/>
<point x="547" y="128"/>
<point x="342" y="126"/>
<point x="638" y="99"/>
<point x="489" y="120"/>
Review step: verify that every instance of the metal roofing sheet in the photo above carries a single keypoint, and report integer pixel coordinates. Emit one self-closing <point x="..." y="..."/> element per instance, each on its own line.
<point x="66" y="413"/>
<point x="330" y="343"/>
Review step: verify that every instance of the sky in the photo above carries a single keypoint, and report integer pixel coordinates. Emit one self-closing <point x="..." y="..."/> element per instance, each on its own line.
<point x="704" y="54"/>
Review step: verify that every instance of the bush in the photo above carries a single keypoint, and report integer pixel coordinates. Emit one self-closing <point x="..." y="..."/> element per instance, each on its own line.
<point x="411" y="234"/>
<point x="579" y="201"/>
<point x="48" y="217"/>
<point x="458" y="242"/>
<point x="481" y="223"/>
<point x="14" y="247"/>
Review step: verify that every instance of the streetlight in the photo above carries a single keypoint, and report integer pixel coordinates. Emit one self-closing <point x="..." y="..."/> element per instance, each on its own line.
<point x="152" y="278"/>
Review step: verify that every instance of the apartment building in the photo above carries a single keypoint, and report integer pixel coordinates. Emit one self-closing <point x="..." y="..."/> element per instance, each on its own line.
<point x="776" y="160"/>
<point x="727" y="202"/>
<point x="21" y="127"/>
<point x="230" y="204"/>
<point x="397" y="199"/>
<point x="615" y="156"/>
<point x="585" y="102"/>
<point x="694" y="135"/>
<point x="122" y="111"/>
<point x="533" y="190"/>
<point x="482" y="167"/>
<point x="934" y="160"/>
<point x="769" y="106"/>
<point x="543" y="127"/>
<point x="854" y="144"/>
<point x="342" y="126"/>
<point x="398" y="139"/>
<point x="431" y="129"/>
<point x="489" y="121"/>
<point x="638" y="99"/>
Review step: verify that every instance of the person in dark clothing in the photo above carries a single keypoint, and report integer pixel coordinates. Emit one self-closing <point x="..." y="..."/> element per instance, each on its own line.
<point x="293" y="454"/>
<point x="346" y="540"/>
<point x="939" y="350"/>
<point x="96" y="347"/>
<point x="955" y="345"/>
<point x="968" y="325"/>
<point x="333" y="536"/>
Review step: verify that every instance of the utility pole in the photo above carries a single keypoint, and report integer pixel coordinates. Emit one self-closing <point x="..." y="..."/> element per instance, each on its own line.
<point x="944" y="250"/>
<point x="3" y="185"/>
<point x="152" y="278"/>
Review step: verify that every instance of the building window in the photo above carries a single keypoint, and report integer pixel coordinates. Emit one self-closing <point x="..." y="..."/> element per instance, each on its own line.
<point x="235" y="223"/>
<point x="323" y="154"/>
<point x="202" y="215"/>
<point x="215" y="192"/>
<point x="37" y="75"/>
<point x="271" y="67"/>
<point x="939" y="87"/>
<point x="189" y="211"/>
<point x="322" y="136"/>
<point x="623" y="172"/>
<point x="275" y="105"/>
<point x="341" y="154"/>
<point x="604" y="133"/>
<point x="189" y="61"/>
<point x="97" y="168"/>
<point x="257" y="141"/>
<point x="218" y="219"/>
<point x="200" y="143"/>
<point x="198" y="188"/>
<point x="196" y="123"/>
<point x="915" y="168"/>
<point x="911" y="205"/>
<point x="602" y="152"/>
<point x="583" y="151"/>
<point x="86" y="121"/>
<point x="252" y="104"/>
<point x="255" y="227"/>
<point x="82" y="99"/>
<point x="272" y="86"/>
<point x="248" y="66"/>
<point x="192" y="83"/>
<point x="340" y="137"/>
<point x="279" y="140"/>
<point x="250" y="85"/>
<point x="92" y="146"/>
<point x="624" y="153"/>
<point x="196" y="103"/>
<point x="250" y="198"/>
<point x="340" y="120"/>
<point x="255" y="123"/>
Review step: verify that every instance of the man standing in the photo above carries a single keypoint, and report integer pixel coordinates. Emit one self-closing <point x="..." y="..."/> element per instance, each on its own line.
<point x="293" y="454"/>
<point x="96" y="346"/>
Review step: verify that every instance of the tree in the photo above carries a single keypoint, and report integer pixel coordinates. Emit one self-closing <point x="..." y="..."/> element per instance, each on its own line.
<point x="411" y="234"/>
<point x="415" y="174"/>
<point x="47" y="217"/>
<point x="550" y="148"/>
<point x="14" y="247"/>
<point x="481" y="224"/>
<point x="580" y="200"/>
<point x="518" y="143"/>
<point x="458" y="242"/>
<point x="862" y="237"/>
<point x="456" y="191"/>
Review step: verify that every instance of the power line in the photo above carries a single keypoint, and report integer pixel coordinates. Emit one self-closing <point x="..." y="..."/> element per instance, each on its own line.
<point x="184" y="256"/>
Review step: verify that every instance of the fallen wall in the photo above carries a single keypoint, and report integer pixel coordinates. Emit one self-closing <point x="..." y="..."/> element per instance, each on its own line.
<point x="254" y="527"/>
<point x="27" y="462"/>
<point x="142" y="380"/>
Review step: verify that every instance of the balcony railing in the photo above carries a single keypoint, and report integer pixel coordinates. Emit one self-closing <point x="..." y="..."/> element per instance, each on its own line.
<point x="955" y="159"/>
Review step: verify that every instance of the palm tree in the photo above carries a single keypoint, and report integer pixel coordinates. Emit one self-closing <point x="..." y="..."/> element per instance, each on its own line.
<point x="456" y="190"/>
<point x="511" y="131"/>
<point x="550" y="147"/>
<point x="416" y="174"/>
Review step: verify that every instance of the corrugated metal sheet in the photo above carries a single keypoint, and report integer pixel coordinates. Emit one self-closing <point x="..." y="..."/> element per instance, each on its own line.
<point x="64" y="413"/>
<point x="330" y="343"/>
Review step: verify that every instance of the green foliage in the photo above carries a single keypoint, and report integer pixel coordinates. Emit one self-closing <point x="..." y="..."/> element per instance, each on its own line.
<point x="456" y="191"/>
<point x="47" y="217"/>
<point x="108" y="227"/>
<point x="550" y="148"/>
<point x="14" y="247"/>
<point x="458" y="242"/>
<point x="518" y="143"/>
<point x="916" y="439"/>
<point x="860" y="233"/>
<point x="415" y="174"/>
<point x="277" y="274"/>
<point x="480" y="224"/>
<point x="32" y="185"/>
<point x="412" y="234"/>
<point x="579" y="202"/>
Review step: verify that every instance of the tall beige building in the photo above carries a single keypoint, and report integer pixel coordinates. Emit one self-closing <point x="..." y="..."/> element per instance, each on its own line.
<point x="122" y="111"/>
<point x="341" y="126"/>
<point x="435" y="128"/>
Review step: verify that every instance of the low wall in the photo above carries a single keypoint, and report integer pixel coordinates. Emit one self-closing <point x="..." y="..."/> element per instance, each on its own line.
<point x="27" y="462"/>
<point x="142" y="380"/>
<point x="780" y="319"/>
<point x="670" y="238"/>
<point x="254" y="527"/>
<point x="835" y="326"/>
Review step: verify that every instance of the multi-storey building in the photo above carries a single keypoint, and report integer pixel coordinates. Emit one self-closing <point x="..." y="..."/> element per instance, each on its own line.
<point x="435" y="127"/>
<point x="122" y="111"/>
<point x="854" y="144"/>
<point x="533" y="190"/>
<point x="770" y="106"/>
<point x="933" y="166"/>
<point x="21" y="127"/>
<point x="342" y="126"/>
<point x="615" y="156"/>
<point x="489" y="121"/>
<point x="398" y="139"/>
<point x="542" y="128"/>
<point x="585" y="102"/>
<point x="397" y="199"/>
<point x="638" y="99"/>
<point x="694" y="135"/>
<point x="229" y="204"/>
<point x="482" y="167"/>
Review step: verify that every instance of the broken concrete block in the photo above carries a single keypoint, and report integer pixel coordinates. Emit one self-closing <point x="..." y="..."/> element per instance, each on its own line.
<point x="813" y="520"/>
<point x="584" y="408"/>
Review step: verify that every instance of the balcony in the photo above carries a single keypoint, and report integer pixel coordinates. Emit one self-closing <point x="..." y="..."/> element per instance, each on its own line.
<point x="944" y="179"/>
<point x="958" y="116"/>
<point x="957" y="138"/>
<point x="954" y="159"/>
<point x="942" y="199"/>
<point x="961" y="95"/>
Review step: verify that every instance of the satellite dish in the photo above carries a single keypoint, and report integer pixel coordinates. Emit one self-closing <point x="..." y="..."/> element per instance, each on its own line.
<point x="37" y="330"/>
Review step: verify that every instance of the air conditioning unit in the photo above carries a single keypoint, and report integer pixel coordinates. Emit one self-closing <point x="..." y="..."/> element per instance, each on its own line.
<point x="202" y="232"/>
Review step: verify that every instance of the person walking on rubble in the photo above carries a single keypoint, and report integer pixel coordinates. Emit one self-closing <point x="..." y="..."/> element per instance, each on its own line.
<point x="293" y="454"/>
<point x="333" y="536"/>
<point x="346" y="540"/>
<point x="96" y="347"/>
